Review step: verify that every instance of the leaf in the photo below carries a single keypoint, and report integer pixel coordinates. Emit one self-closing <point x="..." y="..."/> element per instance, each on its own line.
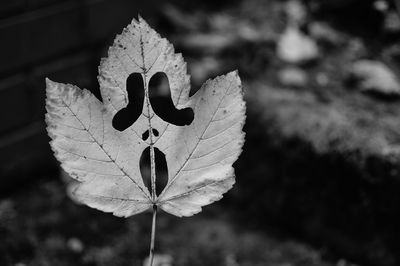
<point x="106" y="161"/>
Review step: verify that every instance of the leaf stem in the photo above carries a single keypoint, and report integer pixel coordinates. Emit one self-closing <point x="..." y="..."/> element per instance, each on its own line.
<point x="153" y="236"/>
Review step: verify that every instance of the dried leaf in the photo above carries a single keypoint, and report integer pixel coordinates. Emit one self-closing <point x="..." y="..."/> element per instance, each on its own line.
<point x="106" y="161"/>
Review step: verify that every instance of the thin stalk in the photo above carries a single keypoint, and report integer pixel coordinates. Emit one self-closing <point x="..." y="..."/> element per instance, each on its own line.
<point x="153" y="236"/>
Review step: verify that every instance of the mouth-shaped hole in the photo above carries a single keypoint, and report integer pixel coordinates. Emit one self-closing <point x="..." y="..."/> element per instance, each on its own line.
<point x="161" y="170"/>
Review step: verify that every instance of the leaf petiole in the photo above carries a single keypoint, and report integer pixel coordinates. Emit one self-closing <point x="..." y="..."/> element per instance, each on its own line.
<point x="153" y="236"/>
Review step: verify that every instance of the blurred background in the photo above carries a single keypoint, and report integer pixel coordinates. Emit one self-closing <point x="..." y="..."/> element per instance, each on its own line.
<point x="318" y="182"/>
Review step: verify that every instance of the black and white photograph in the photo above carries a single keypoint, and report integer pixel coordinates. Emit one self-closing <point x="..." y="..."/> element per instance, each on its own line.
<point x="200" y="133"/>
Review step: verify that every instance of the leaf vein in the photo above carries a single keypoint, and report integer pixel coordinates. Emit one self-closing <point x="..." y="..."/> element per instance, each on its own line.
<point x="101" y="146"/>
<point x="197" y="144"/>
<point x="212" y="151"/>
<point x="194" y="190"/>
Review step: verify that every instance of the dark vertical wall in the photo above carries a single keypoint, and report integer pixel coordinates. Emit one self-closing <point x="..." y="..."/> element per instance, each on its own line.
<point x="59" y="39"/>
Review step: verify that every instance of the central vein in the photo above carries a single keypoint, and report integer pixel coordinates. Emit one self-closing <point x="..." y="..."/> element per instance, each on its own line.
<point x="152" y="157"/>
<point x="149" y="115"/>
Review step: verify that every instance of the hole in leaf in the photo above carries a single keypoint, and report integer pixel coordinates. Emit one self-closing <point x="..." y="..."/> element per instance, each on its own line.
<point x="145" y="168"/>
<point x="155" y="132"/>
<point x="161" y="101"/>
<point x="145" y="135"/>
<point x="125" y="117"/>
<point x="161" y="169"/>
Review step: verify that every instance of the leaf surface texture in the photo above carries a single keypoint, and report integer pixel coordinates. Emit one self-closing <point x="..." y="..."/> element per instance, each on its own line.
<point x="199" y="156"/>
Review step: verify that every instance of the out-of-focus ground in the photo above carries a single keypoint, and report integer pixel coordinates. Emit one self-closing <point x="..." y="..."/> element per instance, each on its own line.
<point x="318" y="180"/>
<point x="42" y="226"/>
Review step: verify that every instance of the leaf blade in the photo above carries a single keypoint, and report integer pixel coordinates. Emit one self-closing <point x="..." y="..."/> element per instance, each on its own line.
<point x="225" y="133"/>
<point x="84" y="148"/>
<point x="199" y="156"/>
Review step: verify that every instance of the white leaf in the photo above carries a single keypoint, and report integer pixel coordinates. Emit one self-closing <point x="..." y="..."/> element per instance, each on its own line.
<point x="106" y="161"/>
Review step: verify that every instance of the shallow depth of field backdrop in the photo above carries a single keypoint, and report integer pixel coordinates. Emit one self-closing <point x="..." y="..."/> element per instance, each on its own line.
<point x="318" y="182"/>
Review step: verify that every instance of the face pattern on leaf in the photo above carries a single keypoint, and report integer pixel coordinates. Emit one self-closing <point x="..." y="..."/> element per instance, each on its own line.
<point x="201" y="139"/>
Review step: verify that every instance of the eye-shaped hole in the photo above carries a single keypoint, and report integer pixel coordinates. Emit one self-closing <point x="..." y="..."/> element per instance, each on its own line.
<point x="155" y="132"/>
<point x="161" y="101"/>
<point x="161" y="169"/>
<point x="145" y="135"/>
<point x="125" y="117"/>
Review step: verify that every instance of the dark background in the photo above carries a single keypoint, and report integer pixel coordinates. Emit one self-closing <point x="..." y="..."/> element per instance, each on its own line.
<point x="318" y="180"/>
